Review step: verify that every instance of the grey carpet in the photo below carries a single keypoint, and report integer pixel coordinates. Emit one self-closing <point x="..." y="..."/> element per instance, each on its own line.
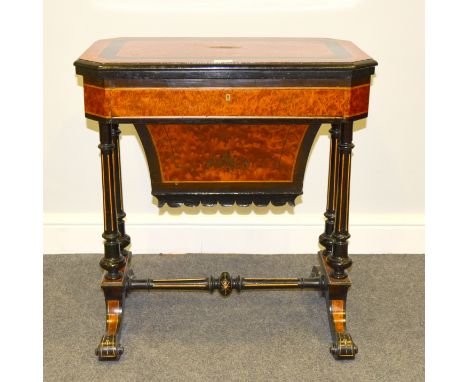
<point x="250" y="336"/>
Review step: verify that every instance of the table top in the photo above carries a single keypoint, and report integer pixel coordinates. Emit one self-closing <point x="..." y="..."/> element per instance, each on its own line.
<point x="236" y="51"/>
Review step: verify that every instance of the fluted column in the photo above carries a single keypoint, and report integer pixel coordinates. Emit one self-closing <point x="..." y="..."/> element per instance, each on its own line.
<point x="124" y="239"/>
<point x="339" y="259"/>
<point x="325" y="238"/>
<point x="112" y="260"/>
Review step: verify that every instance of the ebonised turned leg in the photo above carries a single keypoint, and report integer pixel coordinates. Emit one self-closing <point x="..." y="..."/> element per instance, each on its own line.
<point x="124" y="239"/>
<point x="114" y="264"/>
<point x="339" y="259"/>
<point x="112" y="260"/>
<point x="334" y="259"/>
<point x="325" y="239"/>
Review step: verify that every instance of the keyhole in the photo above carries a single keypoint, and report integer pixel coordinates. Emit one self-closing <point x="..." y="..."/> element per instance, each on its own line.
<point x="228" y="98"/>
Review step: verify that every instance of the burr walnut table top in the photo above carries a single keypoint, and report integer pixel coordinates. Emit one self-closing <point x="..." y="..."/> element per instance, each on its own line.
<point x="226" y="51"/>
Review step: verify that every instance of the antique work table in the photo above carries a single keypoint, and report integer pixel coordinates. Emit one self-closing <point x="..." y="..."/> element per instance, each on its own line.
<point x="226" y="120"/>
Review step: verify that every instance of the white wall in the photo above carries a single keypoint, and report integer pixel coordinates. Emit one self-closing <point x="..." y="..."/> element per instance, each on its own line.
<point x="387" y="193"/>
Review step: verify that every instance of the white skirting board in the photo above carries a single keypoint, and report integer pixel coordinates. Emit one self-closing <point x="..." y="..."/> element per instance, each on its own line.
<point x="252" y="234"/>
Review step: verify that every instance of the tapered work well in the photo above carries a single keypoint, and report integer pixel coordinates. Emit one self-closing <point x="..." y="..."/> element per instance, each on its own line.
<point x="226" y="121"/>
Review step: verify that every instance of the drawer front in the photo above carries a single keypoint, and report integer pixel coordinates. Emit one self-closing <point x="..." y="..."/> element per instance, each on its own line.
<point x="319" y="102"/>
<point x="226" y="152"/>
<point x="222" y="162"/>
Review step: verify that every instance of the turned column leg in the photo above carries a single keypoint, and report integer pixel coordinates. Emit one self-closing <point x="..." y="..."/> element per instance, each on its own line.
<point x="112" y="260"/>
<point x="124" y="239"/>
<point x="114" y="264"/>
<point x="325" y="238"/>
<point x="339" y="259"/>
<point x="334" y="260"/>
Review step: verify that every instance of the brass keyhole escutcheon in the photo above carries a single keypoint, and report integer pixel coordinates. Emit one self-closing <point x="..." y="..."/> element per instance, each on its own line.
<point x="228" y="98"/>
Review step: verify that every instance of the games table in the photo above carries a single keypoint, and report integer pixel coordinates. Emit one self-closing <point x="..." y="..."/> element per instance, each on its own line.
<point x="228" y="121"/>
